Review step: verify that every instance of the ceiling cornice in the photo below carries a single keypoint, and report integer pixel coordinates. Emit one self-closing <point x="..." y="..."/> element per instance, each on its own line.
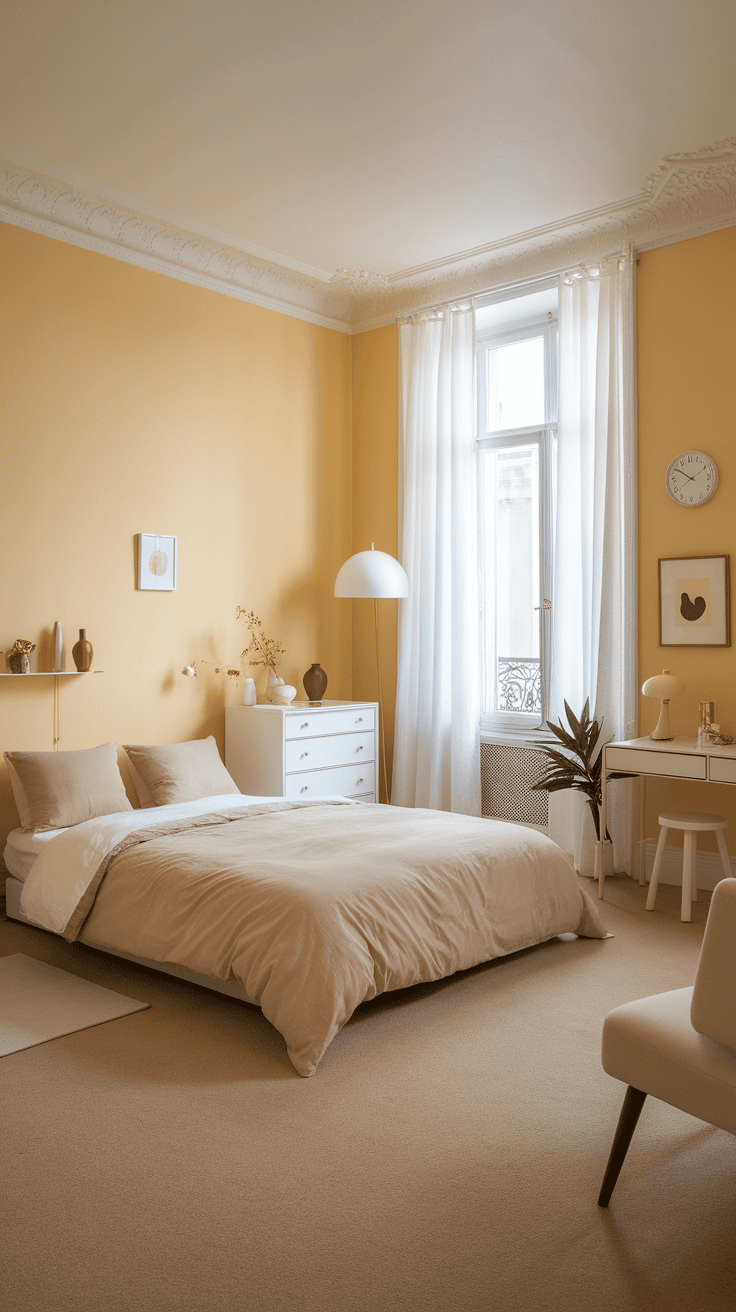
<point x="688" y="195"/>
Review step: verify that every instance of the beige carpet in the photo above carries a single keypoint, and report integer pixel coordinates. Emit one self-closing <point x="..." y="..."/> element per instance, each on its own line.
<point x="38" y="1002"/>
<point x="446" y="1156"/>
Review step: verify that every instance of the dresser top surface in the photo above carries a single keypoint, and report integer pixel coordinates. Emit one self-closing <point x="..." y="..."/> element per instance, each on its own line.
<point x="301" y="706"/>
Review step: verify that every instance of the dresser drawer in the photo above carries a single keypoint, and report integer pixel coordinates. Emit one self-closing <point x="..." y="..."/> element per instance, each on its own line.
<point x="319" y="753"/>
<point x="722" y="769"/>
<point x="678" y="765"/>
<point x="345" y="780"/>
<point x="314" y="724"/>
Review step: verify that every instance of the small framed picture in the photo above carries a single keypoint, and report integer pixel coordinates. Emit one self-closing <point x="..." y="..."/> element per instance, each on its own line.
<point x="694" y="602"/>
<point x="156" y="562"/>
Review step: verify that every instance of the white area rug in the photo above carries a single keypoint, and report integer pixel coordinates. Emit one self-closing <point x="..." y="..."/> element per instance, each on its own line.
<point x="39" y="1002"/>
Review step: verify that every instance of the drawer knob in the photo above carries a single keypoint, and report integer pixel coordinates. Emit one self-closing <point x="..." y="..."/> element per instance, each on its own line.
<point x="305" y="789"/>
<point x="359" y="749"/>
<point x="306" y="724"/>
<point x="360" y="781"/>
<point x="359" y="720"/>
<point x="305" y="753"/>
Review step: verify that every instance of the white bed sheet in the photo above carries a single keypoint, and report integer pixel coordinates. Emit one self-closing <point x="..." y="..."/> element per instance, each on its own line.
<point x="22" y="848"/>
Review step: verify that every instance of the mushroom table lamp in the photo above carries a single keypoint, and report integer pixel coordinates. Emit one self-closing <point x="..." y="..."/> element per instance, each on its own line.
<point x="664" y="686"/>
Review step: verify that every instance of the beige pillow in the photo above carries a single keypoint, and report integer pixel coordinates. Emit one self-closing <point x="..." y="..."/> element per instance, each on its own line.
<point x="55" y="789"/>
<point x="182" y="772"/>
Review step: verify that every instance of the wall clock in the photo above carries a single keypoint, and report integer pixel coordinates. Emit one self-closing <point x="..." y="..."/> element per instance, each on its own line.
<point x="691" y="478"/>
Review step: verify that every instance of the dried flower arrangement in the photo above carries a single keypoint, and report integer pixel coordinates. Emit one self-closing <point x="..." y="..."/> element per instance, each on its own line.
<point x="18" y="655"/>
<point x="265" y="651"/>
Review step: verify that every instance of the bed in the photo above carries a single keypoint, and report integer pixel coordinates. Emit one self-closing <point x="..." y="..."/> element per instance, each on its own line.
<point x="304" y="909"/>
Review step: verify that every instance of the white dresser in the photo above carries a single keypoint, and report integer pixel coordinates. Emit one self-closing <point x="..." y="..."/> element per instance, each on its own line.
<point x="302" y="751"/>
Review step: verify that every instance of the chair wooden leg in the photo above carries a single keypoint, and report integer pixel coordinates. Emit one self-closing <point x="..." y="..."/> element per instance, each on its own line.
<point x="688" y="864"/>
<point x="633" y="1102"/>
<point x="654" y="881"/>
<point x="725" y="858"/>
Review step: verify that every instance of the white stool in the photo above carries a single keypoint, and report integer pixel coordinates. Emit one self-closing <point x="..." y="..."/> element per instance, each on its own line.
<point x="692" y="823"/>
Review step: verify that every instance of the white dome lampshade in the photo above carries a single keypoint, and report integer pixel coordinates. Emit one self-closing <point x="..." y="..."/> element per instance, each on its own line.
<point x="372" y="574"/>
<point x="664" y="686"/>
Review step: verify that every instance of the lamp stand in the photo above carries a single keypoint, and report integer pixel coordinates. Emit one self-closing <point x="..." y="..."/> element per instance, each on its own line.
<point x="381" y="734"/>
<point x="663" y="733"/>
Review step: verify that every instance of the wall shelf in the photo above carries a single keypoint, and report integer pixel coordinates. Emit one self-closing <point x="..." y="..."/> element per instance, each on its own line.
<point x="46" y="674"/>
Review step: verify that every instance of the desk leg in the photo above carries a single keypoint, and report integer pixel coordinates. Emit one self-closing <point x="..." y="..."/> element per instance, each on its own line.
<point x="603" y="816"/>
<point x="642" y="828"/>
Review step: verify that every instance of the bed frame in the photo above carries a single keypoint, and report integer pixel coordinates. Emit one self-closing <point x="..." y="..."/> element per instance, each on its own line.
<point x="13" y="890"/>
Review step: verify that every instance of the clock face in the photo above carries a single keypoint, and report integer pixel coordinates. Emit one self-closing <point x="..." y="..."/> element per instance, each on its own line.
<point x="691" y="479"/>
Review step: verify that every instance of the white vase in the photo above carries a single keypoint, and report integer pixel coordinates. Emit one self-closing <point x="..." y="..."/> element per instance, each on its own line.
<point x="58" y="647"/>
<point x="278" y="692"/>
<point x="249" y="692"/>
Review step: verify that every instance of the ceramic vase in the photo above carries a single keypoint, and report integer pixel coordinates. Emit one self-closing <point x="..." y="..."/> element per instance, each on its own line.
<point x="315" y="683"/>
<point x="82" y="652"/>
<point x="278" y="692"/>
<point x="19" y="663"/>
<point x="249" y="692"/>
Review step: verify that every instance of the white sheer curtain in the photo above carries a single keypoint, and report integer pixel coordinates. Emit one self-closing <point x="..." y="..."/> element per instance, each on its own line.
<point x="594" y="611"/>
<point x="437" y="735"/>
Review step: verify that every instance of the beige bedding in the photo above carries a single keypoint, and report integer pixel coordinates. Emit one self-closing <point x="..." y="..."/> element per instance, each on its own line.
<point x="314" y="909"/>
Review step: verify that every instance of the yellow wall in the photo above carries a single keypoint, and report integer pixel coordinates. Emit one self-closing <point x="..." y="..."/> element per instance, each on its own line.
<point x="135" y="402"/>
<point x="686" y="335"/>
<point x="375" y="500"/>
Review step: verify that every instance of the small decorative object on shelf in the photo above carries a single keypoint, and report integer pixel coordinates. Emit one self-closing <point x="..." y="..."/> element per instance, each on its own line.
<point x="249" y="692"/>
<point x="18" y="656"/>
<point x="58" y="648"/>
<point x="315" y="683"/>
<point x="82" y="652"/>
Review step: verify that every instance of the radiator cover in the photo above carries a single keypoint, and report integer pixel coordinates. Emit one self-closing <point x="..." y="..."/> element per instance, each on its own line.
<point x="507" y="774"/>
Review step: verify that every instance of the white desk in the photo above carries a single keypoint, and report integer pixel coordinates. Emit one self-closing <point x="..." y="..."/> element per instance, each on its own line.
<point x="675" y="758"/>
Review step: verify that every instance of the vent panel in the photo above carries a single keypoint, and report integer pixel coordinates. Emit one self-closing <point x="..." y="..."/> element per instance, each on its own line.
<point x="507" y="774"/>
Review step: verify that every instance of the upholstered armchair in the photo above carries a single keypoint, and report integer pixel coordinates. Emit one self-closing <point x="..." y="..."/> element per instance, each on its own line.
<point x="680" y="1046"/>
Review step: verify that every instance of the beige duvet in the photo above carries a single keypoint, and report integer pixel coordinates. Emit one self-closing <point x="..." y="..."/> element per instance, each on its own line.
<point x="311" y="908"/>
<point x="314" y="909"/>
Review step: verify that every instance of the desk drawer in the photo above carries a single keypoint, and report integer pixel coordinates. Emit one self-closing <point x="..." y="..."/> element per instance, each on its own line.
<point x="315" y="724"/>
<point x="346" y="780"/>
<point x="722" y="769"/>
<point x="318" y="753"/>
<point x="677" y="765"/>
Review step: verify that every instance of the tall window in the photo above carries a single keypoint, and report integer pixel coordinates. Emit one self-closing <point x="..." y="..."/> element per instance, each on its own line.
<point x="517" y="411"/>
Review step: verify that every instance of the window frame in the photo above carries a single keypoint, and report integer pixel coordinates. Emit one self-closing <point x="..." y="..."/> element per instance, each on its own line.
<point x="544" y="436"/>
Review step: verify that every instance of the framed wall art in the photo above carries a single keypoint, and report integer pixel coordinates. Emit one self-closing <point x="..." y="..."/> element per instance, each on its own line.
<point x="694" y="601"/>
<point x="156" y="562"/>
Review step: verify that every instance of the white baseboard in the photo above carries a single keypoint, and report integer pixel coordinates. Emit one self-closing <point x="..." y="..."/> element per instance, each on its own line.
<point x="709" y="867"/>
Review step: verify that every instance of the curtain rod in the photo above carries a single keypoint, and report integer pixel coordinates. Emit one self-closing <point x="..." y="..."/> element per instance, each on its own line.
<point x="474" y="297"/>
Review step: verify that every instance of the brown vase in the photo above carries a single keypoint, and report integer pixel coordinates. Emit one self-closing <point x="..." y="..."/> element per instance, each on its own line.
<point x="82" y="652"/>
<point x="19" y="663"/>
<point x="315" y="683"/>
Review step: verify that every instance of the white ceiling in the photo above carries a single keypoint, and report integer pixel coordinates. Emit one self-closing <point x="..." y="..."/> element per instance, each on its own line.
<point x="367" y="134"/>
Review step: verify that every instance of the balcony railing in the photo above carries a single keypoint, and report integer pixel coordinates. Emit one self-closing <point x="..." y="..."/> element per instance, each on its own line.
<point x="519" y="684"/>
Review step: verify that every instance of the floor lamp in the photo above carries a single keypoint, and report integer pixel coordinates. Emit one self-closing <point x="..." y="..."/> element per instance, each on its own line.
<point x="374" y="574"/>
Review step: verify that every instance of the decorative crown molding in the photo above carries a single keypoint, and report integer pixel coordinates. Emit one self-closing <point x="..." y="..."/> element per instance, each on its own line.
<point x="687" y="195"/>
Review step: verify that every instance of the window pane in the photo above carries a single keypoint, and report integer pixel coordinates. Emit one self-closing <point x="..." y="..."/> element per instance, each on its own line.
<point x="510" y="527"/>
<point x="515" y="385"/>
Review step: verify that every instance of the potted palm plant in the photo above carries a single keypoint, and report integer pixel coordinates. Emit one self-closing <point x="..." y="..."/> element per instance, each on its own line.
<point x="578" y="764"/>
